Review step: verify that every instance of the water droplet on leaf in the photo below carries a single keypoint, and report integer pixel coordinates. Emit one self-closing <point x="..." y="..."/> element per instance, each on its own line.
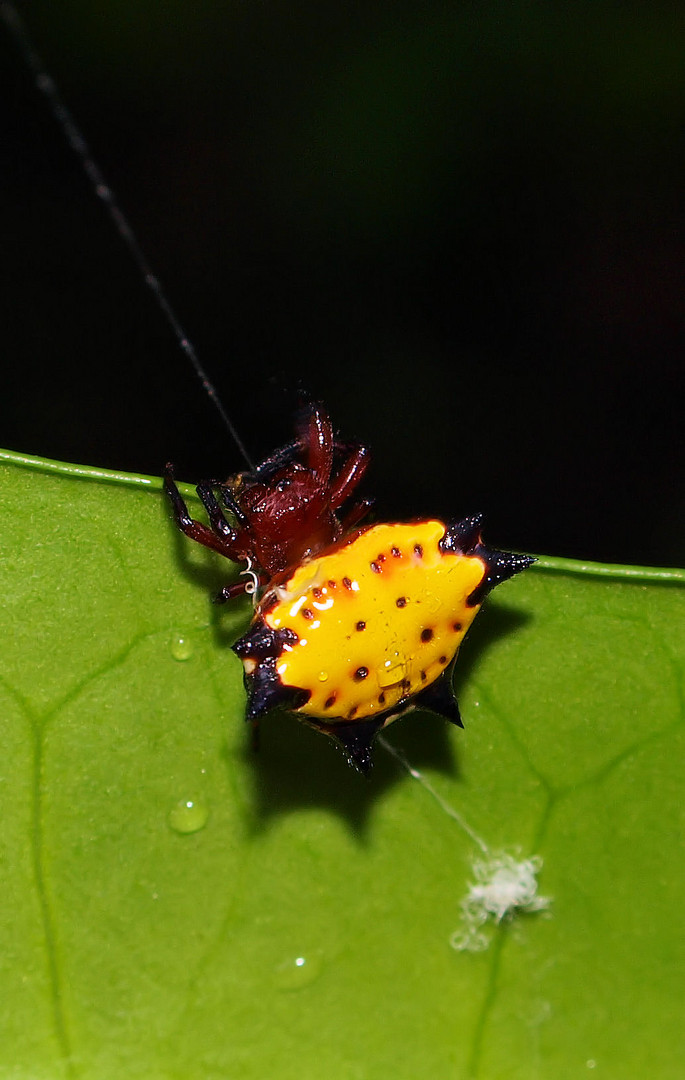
<point x="298" y="972"/>
<point x="188" y="816"/>
<point x="181" y="647"/>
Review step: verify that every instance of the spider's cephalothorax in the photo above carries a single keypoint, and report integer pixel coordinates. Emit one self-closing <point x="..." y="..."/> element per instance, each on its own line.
<point x="353" y="626"/>
<point x="284" y="511"/>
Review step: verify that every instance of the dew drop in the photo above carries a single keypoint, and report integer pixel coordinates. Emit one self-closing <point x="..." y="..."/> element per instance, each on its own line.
<point x="323" y="676"/>
<point x="181" y="647"/>
<point x="188" y="816"/>
<point x="392" y="672"/>
<point x="298" y="972"/>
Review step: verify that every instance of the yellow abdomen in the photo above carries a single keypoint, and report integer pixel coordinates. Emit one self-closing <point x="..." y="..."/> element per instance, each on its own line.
<point x="377" y="620"/>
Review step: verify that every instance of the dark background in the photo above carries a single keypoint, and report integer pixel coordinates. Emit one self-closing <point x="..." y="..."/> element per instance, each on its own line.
<point x="459" y="224"/>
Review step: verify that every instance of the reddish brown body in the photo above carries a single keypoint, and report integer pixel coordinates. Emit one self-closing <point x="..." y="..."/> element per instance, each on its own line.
<point x="287" y="509"/>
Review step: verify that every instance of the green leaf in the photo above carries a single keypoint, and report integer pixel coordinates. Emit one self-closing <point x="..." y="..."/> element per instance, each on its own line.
<point x="177" y="906"/>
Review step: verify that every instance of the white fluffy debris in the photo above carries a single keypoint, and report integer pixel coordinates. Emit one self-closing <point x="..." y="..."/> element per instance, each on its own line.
<point x="503" y="886"/>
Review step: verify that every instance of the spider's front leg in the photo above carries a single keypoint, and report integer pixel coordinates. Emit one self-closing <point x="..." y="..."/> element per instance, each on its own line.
<point x="349" y="476"/>
<point x="221" y="538"/>
<point x="317" y="438"/>
<point x="236" y="588"/>
<point x="356" y="513"/>
<point x="217" y="519"/>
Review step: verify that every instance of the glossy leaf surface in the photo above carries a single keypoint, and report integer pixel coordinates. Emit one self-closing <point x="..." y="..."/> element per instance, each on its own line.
<point x="177" y="906"/>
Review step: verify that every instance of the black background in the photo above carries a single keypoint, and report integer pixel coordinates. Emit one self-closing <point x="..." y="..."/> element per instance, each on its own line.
<point x="459" y="224"/>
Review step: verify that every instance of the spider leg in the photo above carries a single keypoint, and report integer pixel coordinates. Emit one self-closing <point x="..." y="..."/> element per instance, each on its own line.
<point x="229" y="592"/>
<point x="349" y="476"/>
<point x="205" y="490"/>
<point x="224" y="544"/>
<point x="230" y="503"/>
<point x="318" y="442"/>
<point x="356" y="512"/>
<point x="292" y="450"/>
<point x="276" y="461"/>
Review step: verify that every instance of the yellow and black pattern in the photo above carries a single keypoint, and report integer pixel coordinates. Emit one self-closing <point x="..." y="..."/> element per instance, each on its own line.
<point x="368" y="629"/>
<point x="376" y="621"/>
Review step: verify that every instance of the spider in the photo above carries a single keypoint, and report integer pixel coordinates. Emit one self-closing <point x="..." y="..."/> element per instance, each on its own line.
<point x="286" y="510"/>
<point x="354" y="624"/>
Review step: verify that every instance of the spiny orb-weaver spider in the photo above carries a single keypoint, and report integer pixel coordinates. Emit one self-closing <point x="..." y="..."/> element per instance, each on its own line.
<point x="353" y="624"/>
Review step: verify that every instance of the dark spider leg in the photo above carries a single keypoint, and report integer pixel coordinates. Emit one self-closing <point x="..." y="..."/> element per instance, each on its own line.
<point x="356" y="512"/>
<point x="230" y="503"/>
<point x="318" y="440"/>
<point x="229" y="592"/>
<point x="224" y="487"/>
<point x="216" y="515"/>
<point x="289" y="453"/>
<point x="278" y="460"/>
<point x="349" y="476"/>
<point x="195" y="530"/>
